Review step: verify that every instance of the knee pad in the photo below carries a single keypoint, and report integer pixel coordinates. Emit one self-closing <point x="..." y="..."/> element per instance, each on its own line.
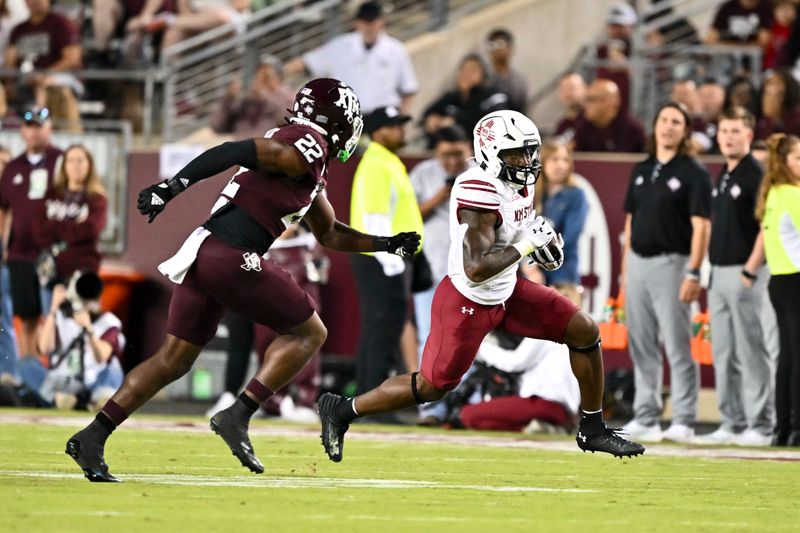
<point x="414" y="391"/>
<point x="585" y="349"/>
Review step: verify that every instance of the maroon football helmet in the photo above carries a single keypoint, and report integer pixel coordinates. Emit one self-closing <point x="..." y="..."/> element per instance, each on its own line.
<point x="331" y="107"/>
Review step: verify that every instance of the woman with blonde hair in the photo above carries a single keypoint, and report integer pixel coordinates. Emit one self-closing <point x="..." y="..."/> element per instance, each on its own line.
<point x="778" y="208"/>
<point x="564" y="204"/>
<point x="73" y="215"/>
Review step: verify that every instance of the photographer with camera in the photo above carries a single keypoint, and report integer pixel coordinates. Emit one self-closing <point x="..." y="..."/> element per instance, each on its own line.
<point x="80" y="341"/>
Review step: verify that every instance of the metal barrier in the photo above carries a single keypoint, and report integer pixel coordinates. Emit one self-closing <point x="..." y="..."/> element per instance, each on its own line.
<point x="197" y="71"/>
<point x="109" y="142"/>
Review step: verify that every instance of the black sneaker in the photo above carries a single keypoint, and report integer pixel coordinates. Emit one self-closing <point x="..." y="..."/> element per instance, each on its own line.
<point x="333" y="429"/>
<point x="234" y="433"/>
<point x="87" y="451"/>
<point x="609" y="441"/>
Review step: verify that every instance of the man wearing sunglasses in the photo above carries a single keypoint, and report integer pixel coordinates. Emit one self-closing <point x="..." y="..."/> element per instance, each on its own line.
<point x="23" y="185"/>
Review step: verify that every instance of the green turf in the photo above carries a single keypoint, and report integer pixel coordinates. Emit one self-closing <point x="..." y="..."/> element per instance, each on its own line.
<point x="175" y="481"/>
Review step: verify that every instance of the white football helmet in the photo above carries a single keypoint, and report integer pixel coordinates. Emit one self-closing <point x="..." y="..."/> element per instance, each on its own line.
<point x="507" y="146"/>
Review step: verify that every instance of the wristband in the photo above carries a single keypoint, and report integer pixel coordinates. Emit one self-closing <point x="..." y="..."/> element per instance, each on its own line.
<point x="381" y="244"/>
<point x="748" y="275"/>
<point x="524" y="247"/>
<point x="693" y="274"/>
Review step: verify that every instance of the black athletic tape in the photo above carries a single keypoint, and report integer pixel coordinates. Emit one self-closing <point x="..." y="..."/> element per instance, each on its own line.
<point x="414" y="391"/>
<point x="585" y="349"/>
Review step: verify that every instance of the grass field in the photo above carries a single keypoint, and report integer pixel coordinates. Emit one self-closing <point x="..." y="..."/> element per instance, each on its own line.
<point x="180" y="477"/>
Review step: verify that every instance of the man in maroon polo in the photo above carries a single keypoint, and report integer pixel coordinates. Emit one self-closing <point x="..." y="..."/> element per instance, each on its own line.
<point x="23" y="185"/>
<point x="607" y="126"/>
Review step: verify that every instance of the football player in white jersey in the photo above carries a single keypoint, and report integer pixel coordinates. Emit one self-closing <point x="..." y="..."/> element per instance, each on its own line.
<point x="492" y="227"/>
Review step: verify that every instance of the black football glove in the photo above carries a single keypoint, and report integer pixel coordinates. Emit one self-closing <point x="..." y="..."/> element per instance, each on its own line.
<point x="403" y="244"/>
<point x="153" y="199"/>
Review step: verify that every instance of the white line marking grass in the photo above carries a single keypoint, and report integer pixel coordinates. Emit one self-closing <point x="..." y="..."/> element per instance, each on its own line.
<point x="287" y="482"/>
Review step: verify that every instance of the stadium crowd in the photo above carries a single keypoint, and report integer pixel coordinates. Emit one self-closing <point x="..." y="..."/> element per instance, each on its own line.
<point x="53" y="208"/>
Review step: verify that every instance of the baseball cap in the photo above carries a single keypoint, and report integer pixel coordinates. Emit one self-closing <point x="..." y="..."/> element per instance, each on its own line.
<point x="36" y="115"/>
<point x="382" y="117"/>
<point x="369" y="11"/>
<point x="622" y="14"/>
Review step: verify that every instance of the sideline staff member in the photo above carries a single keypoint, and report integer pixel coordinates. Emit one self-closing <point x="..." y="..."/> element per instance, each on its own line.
<point x="666" y="232"/>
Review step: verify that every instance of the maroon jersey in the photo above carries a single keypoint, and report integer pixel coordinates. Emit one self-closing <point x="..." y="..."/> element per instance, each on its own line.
<point x="23" y="187"/>
<point x="273" y="200"/>
<point x="44" y="42"/>
<point x="75" y="218"/>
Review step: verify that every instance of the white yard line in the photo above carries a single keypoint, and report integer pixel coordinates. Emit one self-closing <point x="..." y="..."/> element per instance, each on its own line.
<point x="457" y="438"/>
<point x="288" y="482"/>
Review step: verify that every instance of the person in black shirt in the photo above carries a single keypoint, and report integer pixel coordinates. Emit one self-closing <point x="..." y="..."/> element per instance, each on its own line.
<point x="666" y="232"/>
<point x="736" y="292"/>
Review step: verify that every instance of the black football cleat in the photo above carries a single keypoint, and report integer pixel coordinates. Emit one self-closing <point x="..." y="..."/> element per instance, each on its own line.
<point x="234" y="433"/>
<point x="333" y="429"/>
<point x="88" y="453"/>
<point x="608" y="440"/>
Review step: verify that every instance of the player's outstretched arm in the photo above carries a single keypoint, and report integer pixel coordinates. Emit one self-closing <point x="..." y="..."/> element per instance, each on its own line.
<point x="338" y="236"/>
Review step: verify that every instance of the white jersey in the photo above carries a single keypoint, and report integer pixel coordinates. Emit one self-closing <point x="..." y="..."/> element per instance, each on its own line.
<point x="475" y="189"/>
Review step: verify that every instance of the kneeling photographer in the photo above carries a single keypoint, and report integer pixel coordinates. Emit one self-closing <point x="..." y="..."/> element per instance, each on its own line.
<point x="81" y="342"/>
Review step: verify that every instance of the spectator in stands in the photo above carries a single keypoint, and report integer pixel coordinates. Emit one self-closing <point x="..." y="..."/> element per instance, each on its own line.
<point x="63" y="108"/>
<point x="712" y="99"/>
<point x="23" y="186"/>
<point x="69" y="223"/>
<point x="742" y="91"/>
<point x="261" y="109"/>
<point x="562" y="203"/>
<point x="742" y="22"/>
<point x="685" y="93"/>
<point x="193" y="18"/>
<point x="8" y="19"/>
<point x="784" y="14"/>
<point x="572" y="95"/>
<point x="467" y="103"/>
<point x="607" y="127"/>
<point x="614" y="54"/>
<point x="548" y="397"/>
<point x="666" y="233"/>
<point x="8" y="338"/>
<point x="382" y="200"/>
<point x="3" y="104"/>
<point x="297" y="252"/>
<point x="507" y="80"/>
<point x="83" y="344"/>
<point x="778" y="208"/>
<point x="780" y="96"/>
<point x="737" y="290"/>
<point x="432" y="181"/>
<point x="46" y="41"/>
<point x="378" y="67"/>
<point x="135" y="17"/>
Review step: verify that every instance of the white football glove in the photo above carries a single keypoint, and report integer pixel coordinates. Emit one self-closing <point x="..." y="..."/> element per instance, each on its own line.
<point x="536" y="234"/>
<point x="551" y="255"/>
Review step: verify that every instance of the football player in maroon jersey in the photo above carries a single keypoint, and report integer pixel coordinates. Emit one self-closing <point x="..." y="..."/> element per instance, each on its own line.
<point x="220" y="265"/>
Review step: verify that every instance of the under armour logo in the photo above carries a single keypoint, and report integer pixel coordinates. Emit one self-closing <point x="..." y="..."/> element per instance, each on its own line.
<point x="252" y="261"/>
<point x="582" y="436"/>
<point x="468" y="311"/>
<point x="156" y="199"/>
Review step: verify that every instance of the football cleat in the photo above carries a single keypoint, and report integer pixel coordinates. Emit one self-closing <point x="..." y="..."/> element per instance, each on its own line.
<point x="333" y="429"/>
<point x="608" y="440"/>
<point x="89" y="455"/>
<point x="234" y="433"/>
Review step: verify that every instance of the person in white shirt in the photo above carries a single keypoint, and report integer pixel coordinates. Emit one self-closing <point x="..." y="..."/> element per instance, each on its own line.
<point x="548" y="391"/>
<point x="374" y="64"/>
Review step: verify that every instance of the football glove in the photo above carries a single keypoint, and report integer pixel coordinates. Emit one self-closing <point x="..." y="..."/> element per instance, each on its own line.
<point x="153" y="199"/>
<point x="403" y="244"/>
<point x="537" y="233"/>
<point x="551" y="255"/>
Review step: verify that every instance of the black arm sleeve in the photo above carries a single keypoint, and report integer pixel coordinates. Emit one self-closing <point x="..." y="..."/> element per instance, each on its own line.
<point x="213" y="161"/>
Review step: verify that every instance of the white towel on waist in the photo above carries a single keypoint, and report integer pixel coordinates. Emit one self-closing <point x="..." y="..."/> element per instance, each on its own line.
<point x="176" y="267"/>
